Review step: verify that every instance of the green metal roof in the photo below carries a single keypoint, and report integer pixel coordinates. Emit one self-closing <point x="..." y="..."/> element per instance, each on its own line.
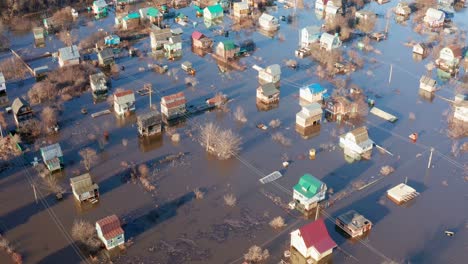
<point x="229" y="45"/>
<point x="308" y="186"/>
<point x="215" y="9"/>
<point x="132" y="16"/>
<point x="152" y="12"/>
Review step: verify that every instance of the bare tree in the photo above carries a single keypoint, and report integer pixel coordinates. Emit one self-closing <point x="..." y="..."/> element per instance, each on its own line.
<point x="89" y="157"/>
<point x="230" y="199"/>
<point x="222" y="143"/>
<point x="13" y="68"/>
<point x="256" y="254"/>
<point x="8" y="147"/>
<point x="85" y="233"/>
<point x="67" y="37"/>
<point x="49" y="117"/>
<point x="143" y="170"/>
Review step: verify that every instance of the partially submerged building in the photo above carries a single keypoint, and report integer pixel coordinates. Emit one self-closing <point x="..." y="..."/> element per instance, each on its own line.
<point x="402" y="9"/>
<point x="124" y="102"/>
<point x="105" y="57"/>
<point x="213" y="12"/>
<point x="39" y="39"/>
<point x="241" y="10"/>
<point x="270" y="74"/>
<point x="173" y="46"/>
<point x="68" y="56"/>
<point x="149" y="123"/>
<point x="330" y="42"/>
<point x="52" y="157"/>
<point x="434" y="18"/>
<point x="268" y="94"/>
<point x="313" y="93"/>
<point x="268" y="22"/>
<point x="100" y="8"/>
<point x="110" y="232"/>
<point x="427" y="84"/>
<point x="402" y="193"/>
<point x="309" y="116"/>
<point x="173" y="106"/>
<point x="22" y="111"/>
<point x="353" y="223"/>
<point x="227" y="49"/>
<point x="84" y="188"/>
<point x="461" y="111"/>
<point x="339" y="107"/>
<point x="312" y="241"/>
<point x="309" y="35"/>
<point x="201" y="41"/>
<point x="131" y="21"/>
<point x="159" y="37"/>
<point x="449" y="58"/>
<point x="308" y="192"/>
<point x="99" y="84"/>
<point x="357" y="144"/>
<point x="420" y="49"/>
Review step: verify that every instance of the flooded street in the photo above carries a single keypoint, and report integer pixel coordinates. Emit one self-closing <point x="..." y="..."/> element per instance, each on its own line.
<point x="170" y="225"/>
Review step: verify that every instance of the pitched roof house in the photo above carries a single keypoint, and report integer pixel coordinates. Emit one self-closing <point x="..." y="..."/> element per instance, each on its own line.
<point x="309" y="191"/>
<point x="451" y="55"/>
<point x="173" y="106"/>
<point x="99" y="84"/>
<point x="52" y="156"/>
<point x="213" y="12"/>
<point x="105" y="57"/>
<point x="22" y="111"/>
<point x="241" y="9"/>
<point x="112" y="40"/>
<point x="402" y="9"/>
<point x="310" y="115"/>
<point x="39" y="38"/>
<point x="268" y="93"/>
<point x="83" y="187"/>
<point x="353" y="223"/>
<point x="159" y="37"/>
<point x="268" y="22"/>
<point x="68" y="56"/>
<point x="271" y="74"/>
<point x="201" y="41"/>
<point x="131" y="21"/>
<point x="329" y="41"/>
<point x="312" y="93"/>
<point x="339" y="106"/>
<point x="312" y="241"/>
<point x="2" y="83"/>
<point x="420" y="49"/>
<point x="110" y="232"/>
<point x="124" y="102"/>
<point x="461" y="111"/>
<point x="434" y="17"/>
<point x="100" y="7"/>
<point x="427" y="84"/>
<point x="149" y="123"/>
<point x="309" y="35"/>
<point x="356" y="143"/>
<point x="227" y="49"/>
<point x="174" y="46"/>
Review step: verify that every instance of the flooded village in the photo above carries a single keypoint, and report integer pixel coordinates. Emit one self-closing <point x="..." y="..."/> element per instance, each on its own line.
<point x="233" y="131"/>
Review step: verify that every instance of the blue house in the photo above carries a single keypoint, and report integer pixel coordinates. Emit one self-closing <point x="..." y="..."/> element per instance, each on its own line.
<point x="112" y="40"/>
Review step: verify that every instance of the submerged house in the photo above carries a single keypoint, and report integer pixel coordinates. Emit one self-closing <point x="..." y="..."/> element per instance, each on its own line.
<point x="149" y="123"/>
<point x="99" y="84"/>
<point x="312" y="93"/>
<point x="84" y="188"/>
<point x="461" y="111"/>
<point x="159" y="37"/>
<point x="427" y="84"/>
<point x="330" y="42"/>
<point x="173" y="106"/>
<point x="357" y="143"/>
<point x="402" y="193"/>
<point x="173" y="46"/>
<point x="124" y="102"/>
<point x="310" y="115"/>
<point x="308" y="192"/>
<point x="402" y="9"/>
<point x="68" y="56"/>
<point x="434" y="18"/>
<point x="449" y="57"/>
<point x="268" y="22"/>
<point x="110" y="232"/>
<point x="131" y="21"/>
<point x="150" y="14"/>
<point x="271" y="74"/>
<point x="52" y="157"/>
<point x="312" y="241"/>
<point x="112" y="40"/>
<point x="353" y="223"/>
<point x="213" y="12"/>
<point x="227" y="49"/>
<point x="420" y="49"/>
<point x="201" y="41"/>
<point x="309" y="35"/>
<point x="39" y="38"/>
<point x="100" y="8"/>
<point x="339" y="107"/>
<point x="22" y="111"/>
<point x="241" y="9"/>
<point x="268" y="94"/>
<point x="105" y="57"/>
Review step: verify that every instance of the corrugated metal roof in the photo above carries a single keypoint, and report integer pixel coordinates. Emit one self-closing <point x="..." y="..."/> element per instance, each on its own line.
<point x="83" y="183"/>
<point x="124" y="97"/>
<point x="150" y="118"/>
<point x="69" y="53"/>
<point x="269" y="89"/>
<point x="316" y="235"/>
<point x="51" y="151"/>
<point x="215" y="9"/>
<point x="17" y="104"/>
<point x="110" y="227"/>
<point x="132" y="16"/>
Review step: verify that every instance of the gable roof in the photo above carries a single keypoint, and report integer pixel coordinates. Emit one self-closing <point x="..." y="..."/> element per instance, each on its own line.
<point x="152" y="12"/>
<point x="360" y="134"/>
<point x="83" y="183"/>
<point x="197" y="35"/>
<point x="110" y="227"/>
<point x="132" y="16"/>
<point x="269" y="89"/>
<point x="456" y="50"/>
<point x="312" y="30"/>
<point x="173" y="100"/>
<point x="427" y="80"/>
<point x="149" y="118"/>
<point x="217" y="8"/>
<point x="228" y="44"/>
<point x="353" y="219"/>
<point x="17" y="104"/>
<point x="315" y="234"/>
<point x="106" y="53"/>
<point x="308" y="185"/>
<point x="162" y="34"/>
<point x="124" y="97"/>
<point x="69" y="53"/>
<point x="274" y="69"/>
<point x="51" y="151"/>
<point x="328" y="38"/>
<point x="315" y="88"/>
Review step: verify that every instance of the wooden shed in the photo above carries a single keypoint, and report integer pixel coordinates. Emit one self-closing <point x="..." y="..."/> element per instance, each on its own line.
<point x="149" y="123"/>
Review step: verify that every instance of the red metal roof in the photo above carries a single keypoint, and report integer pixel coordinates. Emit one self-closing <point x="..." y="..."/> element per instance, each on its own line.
<point x="110" y="226"/>
<point x="174" y="100"/>
<point x="197" y="35"/>
<point x="315" y="235"/>
<point x="124" y="93"/>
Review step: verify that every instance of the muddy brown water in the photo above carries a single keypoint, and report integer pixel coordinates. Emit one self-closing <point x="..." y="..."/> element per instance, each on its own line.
<point x="171" y="226"/>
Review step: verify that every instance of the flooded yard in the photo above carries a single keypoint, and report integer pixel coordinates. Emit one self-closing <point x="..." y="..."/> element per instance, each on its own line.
<point x="170" y="225"/>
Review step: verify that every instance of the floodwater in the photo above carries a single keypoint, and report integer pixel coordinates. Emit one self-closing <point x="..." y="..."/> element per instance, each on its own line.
<point x="171" y="226"/>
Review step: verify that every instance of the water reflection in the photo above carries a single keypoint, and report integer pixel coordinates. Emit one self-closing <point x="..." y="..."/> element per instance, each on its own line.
<point x="148" y="144"/>
<point x="123" y="121"/>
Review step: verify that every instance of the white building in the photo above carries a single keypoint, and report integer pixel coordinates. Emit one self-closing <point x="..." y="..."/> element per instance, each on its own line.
<point x="268" y="22"/>
<point x="68" y="56"/>
<point x="110" y="232"/>
<point x="271" y="74"/>
<point x="124" y="102"/>
<point x="308" y="192"/>
<point x="312" y="93"/>
<point x="310" y="115"/>
<point x="309" y="35"/>
<point x="434" y="17"/>
<point x="329" y="41"/>
<point x="241" y="9"/>
<point x="356" y="142"/>
<point x="461" y="111"/>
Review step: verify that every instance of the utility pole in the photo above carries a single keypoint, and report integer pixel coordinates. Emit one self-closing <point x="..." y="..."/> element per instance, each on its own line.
<point x="1" y="131"/>
<point x="35" y="193"/>
<point x="150" y="90"/>
<point x="317" y="211"/>
<point x="390" y="74"/>
<point x="430" y="158"/>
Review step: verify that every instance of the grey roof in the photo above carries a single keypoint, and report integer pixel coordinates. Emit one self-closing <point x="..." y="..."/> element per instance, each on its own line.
<point x="69" y="53"/>
<point x="177" y="31"/>
<point x="106" y="54"/>
<point x="51" y="152"/>
<point x="427" y="80"/>
<point x="162" y="34"/>
<point x="353" y="219"/>
<point x="269" y="89"/>
<point x="98" y="81"/>
<point x="274" y="69"/>
<point x="149" y="118"/>
<point x="175" y="39"/>
<point x="327" y="39"/>
<point x="83" y="183"/>
<point x="17" y="104"/>
<point x="41" y="69"/>
<point x="2" y="78"/>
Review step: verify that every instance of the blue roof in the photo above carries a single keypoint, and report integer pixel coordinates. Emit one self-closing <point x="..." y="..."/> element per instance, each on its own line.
<point x="316" y="88"/>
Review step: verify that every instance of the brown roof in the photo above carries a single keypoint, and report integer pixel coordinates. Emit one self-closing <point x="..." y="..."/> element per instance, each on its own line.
<point x="457" y="50"/>
<point x="173" y="100"/>
<point x="124" y="93"/>
<point x="360" y="134"/>
<point x="110" y="227"/>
